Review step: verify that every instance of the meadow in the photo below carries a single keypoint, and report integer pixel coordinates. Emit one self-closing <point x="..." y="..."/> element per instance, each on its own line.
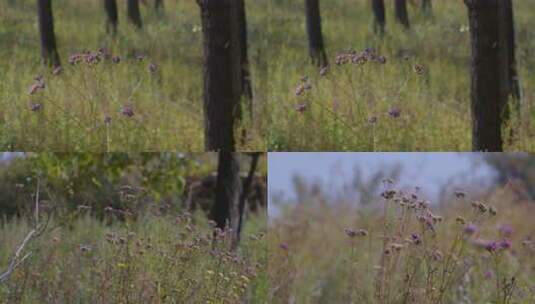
<point x="135" y="91"/>
<point x="409" y="90"/>
<point x="402" y="249"/>
<point x="156" y="259"/>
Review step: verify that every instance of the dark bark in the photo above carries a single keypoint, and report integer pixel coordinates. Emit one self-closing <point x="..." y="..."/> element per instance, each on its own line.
<point x="112" y="16"/>
<point x="49" y="51"/>
<point x="489" y="72"/>
<point x="514" y="81"/>
<point x="316" y="46"/>
<point x="378" y="7"/>
<point x="402" y="16"/>
<point x="247" y="89"/>
<point x="247" y="184"/>
<point x="133" y="13"/>
<point x="222" y="73"/>
<point x="225" y="209"/>
<point x="427" y="7"/>
<point x="158" y="5"/>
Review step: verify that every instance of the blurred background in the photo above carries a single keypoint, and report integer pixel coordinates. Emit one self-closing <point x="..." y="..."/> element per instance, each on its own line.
<point x="357" y="178"/>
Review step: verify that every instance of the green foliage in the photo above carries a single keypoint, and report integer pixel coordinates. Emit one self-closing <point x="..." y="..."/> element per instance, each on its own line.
<point x="71" y="180"/>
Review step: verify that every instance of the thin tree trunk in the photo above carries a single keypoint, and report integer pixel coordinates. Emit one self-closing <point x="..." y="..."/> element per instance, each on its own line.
<point x="49" y="51"/>
<point x="245" y="191"/>
<point x="158" y="5"/>
<point x="490" y="73"/>
<point x="427" y="7"/>
<point x="133" y="13"/>
<point x="247" y="89"/>
<point x="316" y="46"/>
<point x="225" y="208"/>
<point x="378" y="7"/>
<point x="222" y="73"/>
<point x="112" y="16"/>
<point x="402" y="16"/>
<point x="514" y="81"/>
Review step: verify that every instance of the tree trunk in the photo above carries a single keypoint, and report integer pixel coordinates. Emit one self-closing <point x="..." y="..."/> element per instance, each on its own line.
<point x="49" y="51"/>
<point x="315" y="37"/>
<point x="133" y="13"/>
<point x="514" y="81"/>
<point x="112" y="16"/>
<point x="427" y="7"/>
<point x="225" y="208"/>
<point x="246" y="190"/>
<point x="247" y="89"/>
<point x="378" y="7"/>
<point x="222" y="73"/>
<point x="158" y="5"/>
<point x="490" y="72"/>
<point x="402" y="16"/>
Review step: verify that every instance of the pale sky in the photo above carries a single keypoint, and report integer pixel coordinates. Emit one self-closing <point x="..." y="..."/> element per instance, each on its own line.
<point x="427" y="170"/>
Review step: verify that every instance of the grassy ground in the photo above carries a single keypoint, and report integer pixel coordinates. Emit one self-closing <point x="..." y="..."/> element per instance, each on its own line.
<point x="158" y="259"/>
<point x="348" y="108"/>
<point x="70" y="114"/>
<point x="318" y="254"/>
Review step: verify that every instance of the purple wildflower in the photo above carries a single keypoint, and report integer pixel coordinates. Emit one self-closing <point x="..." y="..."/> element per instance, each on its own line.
<point x="153" y="68"/>
<point x="127" y="111"/>
<point x="505" y="244"/>
<point x="505" y="230"/>
<point x="470" y="228"/>
<point x="284" y="246"/>
<point x="36" y="107"/>
<point x="491" y="246"/>
<point x="116" y="59"/>
<point x="416" y="239"/>
<point x="301" y="108"/>
<point x="394" y="112"/>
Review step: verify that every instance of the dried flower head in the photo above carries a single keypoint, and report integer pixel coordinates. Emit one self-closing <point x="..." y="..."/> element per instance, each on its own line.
<point x="419" y="69"/>
<point x="116" y="59"/>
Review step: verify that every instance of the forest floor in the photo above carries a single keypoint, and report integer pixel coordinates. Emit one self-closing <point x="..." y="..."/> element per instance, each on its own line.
<point x="418" y="100"/>
<point x="156" y="259"/>
<point x="402" y="251"/>
<point x="150" y="101"/>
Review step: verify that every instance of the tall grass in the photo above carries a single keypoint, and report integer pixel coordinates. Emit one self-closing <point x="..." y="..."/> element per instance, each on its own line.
<point x="156" y="259"/>
<point x="81" y="109"/>
<point x="404" y="250"/>
<point x="350" y="107"/>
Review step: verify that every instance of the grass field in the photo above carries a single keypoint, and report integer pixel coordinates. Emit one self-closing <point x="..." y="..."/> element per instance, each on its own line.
<point x="385" y="107"/>
<point x="402" y="251"/>
<point x="157" y="259"/>
<point x="88" y="107"/>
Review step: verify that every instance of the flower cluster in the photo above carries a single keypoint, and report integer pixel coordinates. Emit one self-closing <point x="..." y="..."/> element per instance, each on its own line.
<point x="359" y="58"/>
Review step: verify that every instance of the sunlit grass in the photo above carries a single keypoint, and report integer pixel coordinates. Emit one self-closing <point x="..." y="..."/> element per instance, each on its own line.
<point x="167" y="103"/>
<point x="435" y="106"/>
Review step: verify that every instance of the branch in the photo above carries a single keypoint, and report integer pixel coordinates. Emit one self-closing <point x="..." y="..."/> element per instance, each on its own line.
<point x="17" y="259"/>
